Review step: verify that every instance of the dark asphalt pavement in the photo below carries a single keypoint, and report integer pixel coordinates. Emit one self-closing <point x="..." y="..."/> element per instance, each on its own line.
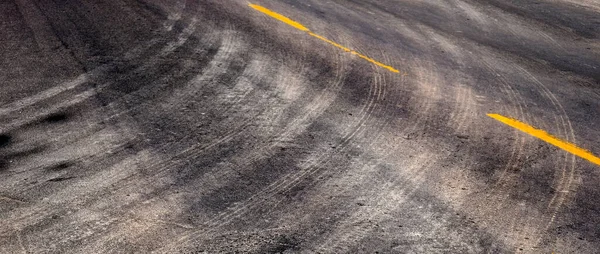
<point x="138" y="126"/>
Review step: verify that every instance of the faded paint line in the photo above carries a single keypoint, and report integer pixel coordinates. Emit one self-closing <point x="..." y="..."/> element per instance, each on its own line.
<point x="299" y="26"/>
<point x="330" y="42"/>
<point x="543" y="135"/>
<point x="375" y="62"/>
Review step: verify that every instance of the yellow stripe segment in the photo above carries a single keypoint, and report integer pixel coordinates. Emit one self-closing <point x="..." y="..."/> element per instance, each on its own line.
<point x="299" y="26"/>
<point x="543" y="135"/>
<point x="279" y="17"/>
<point x="329" y="41"/>
<point x="389" y="68"/>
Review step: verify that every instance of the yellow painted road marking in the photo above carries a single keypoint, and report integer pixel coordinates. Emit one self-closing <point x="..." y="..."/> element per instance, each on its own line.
<point x="330" y="42"/>
<point x="300" y="27"/>
<point x="543" y="135"/>
<point x="279" y="17"/>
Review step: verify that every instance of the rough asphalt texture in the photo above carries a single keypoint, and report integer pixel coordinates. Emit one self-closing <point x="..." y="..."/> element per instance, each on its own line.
<point x="206" y="126"/>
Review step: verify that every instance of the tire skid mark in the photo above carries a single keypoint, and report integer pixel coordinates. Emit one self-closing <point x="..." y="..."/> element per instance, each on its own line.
<point x="244" y="87"/>
<point x="343" y="240"/>
<point x="345" y="236"/>
<point x="428" y="92"/>
<point x="189" y="153"/>
<point x="509" y="93"/>
<point x="230" y="46"/>
<point x="517" y="223"/>
<point x="311" y="168"/>
<point x="465" y="105"/>
<point x="584" y="3"/>
<point x="106" y="142"/>
<point x="463" y="100"/>
<point x="502" y="181"/>
<point x="312" y="111"/>
<point x="122" y="180"/>
<point x="120" y="103"/>
<point x="474" y="12"/>
<point x="113" y="109"/>
<point x="562" y="168"/>
<point x="67" y="138"/>
<point x="515" y="98"/>
<point x="428" y="95"/>
<point x="564" y="185"/>
<point x="26" y="216"/>
<point x="320" y="101"/>
<point x="30" y="100"/>
<point x="549" y="139"/>
<point x="218" y="67"/>
<point x="390" y="197"/>
<point x="247" y="159"/>
<point x="102" y="70"/>
<point x="320" y="162"/>
<point x="284" y="183"/>
<point x="191" y="158"/>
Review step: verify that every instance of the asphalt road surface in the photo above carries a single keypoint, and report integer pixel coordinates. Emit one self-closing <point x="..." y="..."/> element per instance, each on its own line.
<point x="138" y="126"/>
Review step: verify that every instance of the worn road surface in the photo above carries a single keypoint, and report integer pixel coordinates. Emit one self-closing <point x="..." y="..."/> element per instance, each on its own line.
<point x="217" y="126"/>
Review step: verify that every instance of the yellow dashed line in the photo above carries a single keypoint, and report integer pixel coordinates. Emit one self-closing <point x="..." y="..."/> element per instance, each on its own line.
<point x="375" y="62"/>
<point x="330" y="42"/>
<point x="279" y="17"/>
<point x="543" y="135"/>
<point x="299" y="26"/>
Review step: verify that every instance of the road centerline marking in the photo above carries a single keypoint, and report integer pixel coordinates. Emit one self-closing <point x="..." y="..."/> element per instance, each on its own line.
<point x="543" y="135"/>
<point x="301" y="27"/>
